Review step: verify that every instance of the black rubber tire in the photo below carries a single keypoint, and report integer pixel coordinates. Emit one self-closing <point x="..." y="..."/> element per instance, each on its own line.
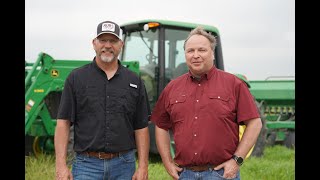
<point x="290" y="139"/>
<point x="52" y="101"/>
<point x="271" y="139"/>
<point x="261" y="141"/>
<point x="28" y="141"/>
<point x="153" y="145"/>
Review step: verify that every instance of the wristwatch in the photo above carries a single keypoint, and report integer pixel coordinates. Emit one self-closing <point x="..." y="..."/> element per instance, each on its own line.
<point x="238" y="159"/>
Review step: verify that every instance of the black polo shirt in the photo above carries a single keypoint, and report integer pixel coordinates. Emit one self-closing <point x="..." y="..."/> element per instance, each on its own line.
<point x="104" y="112"/>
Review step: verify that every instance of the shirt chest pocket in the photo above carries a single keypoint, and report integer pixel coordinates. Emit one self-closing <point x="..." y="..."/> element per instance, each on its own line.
<point x="88" y="98"/>
<point x="88" y="90"/>
<point x="122" y="100"/>
<point x="131" y="100"/>
<point x="218" y="103"/>
<point x="218" y="97"/>
<point x="178" y="107"/>
<point x="116" y="100"/>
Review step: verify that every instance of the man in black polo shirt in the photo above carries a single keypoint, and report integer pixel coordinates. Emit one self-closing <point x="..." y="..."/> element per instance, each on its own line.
<point x="107" y="105"/>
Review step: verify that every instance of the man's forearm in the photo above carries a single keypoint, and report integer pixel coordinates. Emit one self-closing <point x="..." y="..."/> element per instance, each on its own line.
<point x="61" y="138"/>
<point x="143" y="145"/>
<point x="163" y="144"/>
<point x="250" y="136"/>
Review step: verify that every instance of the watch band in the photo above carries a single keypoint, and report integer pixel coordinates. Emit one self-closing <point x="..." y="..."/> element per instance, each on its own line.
<point x="238" y="159"/>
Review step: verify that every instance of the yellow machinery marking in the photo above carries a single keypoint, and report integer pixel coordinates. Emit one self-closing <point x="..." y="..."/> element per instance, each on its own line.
<point x="54" y="73"/>
<point x="38" y="90"/>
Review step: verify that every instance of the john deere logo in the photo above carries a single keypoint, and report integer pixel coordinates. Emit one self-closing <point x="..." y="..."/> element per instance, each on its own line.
<point x="54" y="73"/>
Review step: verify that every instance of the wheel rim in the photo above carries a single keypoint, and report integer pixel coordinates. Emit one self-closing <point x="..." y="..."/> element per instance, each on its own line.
<point x="36" y="146"/>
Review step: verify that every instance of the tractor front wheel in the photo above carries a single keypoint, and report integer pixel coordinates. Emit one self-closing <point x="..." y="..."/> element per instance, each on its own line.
<point x="290" y="140"/>
<point x="38" y="145"/>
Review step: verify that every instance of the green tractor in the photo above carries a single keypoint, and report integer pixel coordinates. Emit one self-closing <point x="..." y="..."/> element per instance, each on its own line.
<point x="44" y="83"/>
<point x="277" y="97"/>
<point x="154" y="50"/>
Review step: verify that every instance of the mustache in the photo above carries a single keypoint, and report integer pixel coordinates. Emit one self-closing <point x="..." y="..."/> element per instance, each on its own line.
<point x="107" y="50"/>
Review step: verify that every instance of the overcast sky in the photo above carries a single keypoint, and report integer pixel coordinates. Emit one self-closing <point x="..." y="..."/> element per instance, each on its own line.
<point x="258" y="36"/>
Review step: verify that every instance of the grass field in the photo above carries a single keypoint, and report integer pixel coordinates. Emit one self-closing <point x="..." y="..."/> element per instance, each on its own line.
<point x="277" y="163"/>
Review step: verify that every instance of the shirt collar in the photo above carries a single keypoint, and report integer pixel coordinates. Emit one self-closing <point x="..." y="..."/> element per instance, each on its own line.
<point x="207" y="75"/>
<point x="94" y="63"/>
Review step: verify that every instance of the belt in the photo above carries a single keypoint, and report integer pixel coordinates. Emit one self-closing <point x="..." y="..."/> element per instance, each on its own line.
<point x="199" y="168"/>
<point x="104" y="155"/>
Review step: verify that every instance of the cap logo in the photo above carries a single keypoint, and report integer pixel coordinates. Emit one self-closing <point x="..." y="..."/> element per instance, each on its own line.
<point x="108" y="27"/>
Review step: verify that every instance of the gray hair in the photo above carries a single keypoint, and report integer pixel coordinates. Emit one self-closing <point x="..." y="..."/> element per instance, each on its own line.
<point x="200" y="31"/>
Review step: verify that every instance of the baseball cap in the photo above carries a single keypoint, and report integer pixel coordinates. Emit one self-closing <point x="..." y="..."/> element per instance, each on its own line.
<point x="110" y="28"/>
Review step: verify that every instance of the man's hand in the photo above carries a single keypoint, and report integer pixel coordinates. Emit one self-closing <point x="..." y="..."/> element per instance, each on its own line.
<point x="231" y="169"/>
<point x="173" y="170"/>
<point x="140" y="174"/>
<point x="63" y="173"/>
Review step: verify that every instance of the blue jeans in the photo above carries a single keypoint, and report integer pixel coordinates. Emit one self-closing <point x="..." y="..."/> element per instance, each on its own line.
<point x="91" y="168"/>
<point x="210" y="174"/>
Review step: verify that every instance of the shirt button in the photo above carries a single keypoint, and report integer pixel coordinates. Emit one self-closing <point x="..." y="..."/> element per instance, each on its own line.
<point x="176" y="101"/>
<point x="218" y="97"/>
<point x="199" y="84"/>
<point x="195" y="134"/>
<point x="107" y="96"/>
<point x="197" y="100"/>
<point x="196" y="117"/>
<point x="107" y="111"/>
<point x="195" y="153"/>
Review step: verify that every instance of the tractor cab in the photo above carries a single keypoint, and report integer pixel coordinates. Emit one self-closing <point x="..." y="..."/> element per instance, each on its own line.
<point x="158" y="46"/>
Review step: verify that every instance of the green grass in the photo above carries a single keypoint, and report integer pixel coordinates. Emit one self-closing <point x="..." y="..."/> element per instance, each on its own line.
<point x="42" y="167"/>
<point x="277" y="163"/>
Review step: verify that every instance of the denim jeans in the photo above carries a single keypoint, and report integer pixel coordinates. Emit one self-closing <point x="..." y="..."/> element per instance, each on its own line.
<point x="210" y="174"/>
<point x="91" y="168"/>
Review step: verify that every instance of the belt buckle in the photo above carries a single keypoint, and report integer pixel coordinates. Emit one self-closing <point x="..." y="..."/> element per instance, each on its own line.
<point x="200" y="168"/>
<point x="99" y="155"/>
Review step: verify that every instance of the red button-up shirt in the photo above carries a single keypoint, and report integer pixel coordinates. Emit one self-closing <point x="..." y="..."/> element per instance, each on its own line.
<point x="204" y="116"/>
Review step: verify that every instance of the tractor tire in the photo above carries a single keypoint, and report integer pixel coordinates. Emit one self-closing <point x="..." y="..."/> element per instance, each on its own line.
<point x="290" y="140"/>
<point x="52" y="101"/>
<point x="28" y="141"/>
<point x="271" y="139"/>
<point x="261" y="141"/>
<point x="37" y="146"/>
<point x="153" y="145"/>
<point x="42" y="145"/>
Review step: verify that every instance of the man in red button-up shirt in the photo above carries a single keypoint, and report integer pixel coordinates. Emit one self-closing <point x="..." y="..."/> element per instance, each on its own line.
<point x="204" y="108"/>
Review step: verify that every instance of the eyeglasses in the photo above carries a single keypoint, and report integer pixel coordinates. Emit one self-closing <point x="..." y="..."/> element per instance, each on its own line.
<point x="111" y="41"/>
